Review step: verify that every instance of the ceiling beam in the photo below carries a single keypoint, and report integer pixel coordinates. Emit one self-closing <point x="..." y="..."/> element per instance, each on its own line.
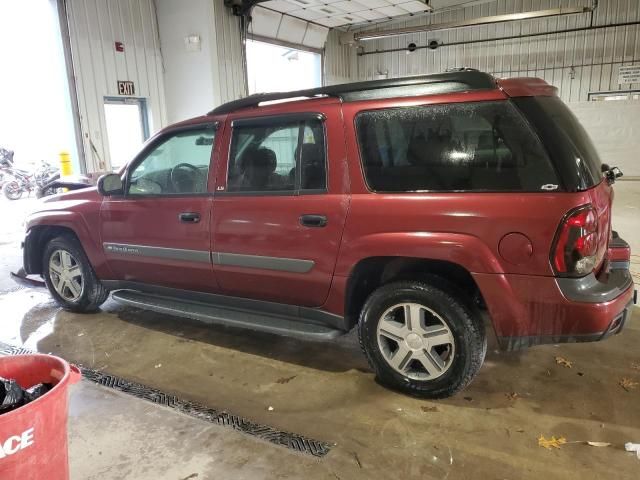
<point x="242" y="8"/>
<point x="552" y="12"/>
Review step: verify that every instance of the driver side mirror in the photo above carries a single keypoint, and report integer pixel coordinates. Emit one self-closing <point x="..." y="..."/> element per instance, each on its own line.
<point x="110" y="184"/>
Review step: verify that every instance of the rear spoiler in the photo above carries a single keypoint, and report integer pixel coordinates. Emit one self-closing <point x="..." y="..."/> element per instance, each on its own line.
<point x="526" y="87"/>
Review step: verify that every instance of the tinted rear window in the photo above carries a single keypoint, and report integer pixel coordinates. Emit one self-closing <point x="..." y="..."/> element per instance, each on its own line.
<point x="483" y="146"/>
<point x="566" y="140"/>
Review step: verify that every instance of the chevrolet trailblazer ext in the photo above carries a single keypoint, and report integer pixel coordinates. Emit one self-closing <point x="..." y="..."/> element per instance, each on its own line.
<point x="401" y="207"/>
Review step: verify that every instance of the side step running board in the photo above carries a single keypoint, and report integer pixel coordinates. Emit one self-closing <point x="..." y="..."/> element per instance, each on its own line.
<point x="270" y="323"/>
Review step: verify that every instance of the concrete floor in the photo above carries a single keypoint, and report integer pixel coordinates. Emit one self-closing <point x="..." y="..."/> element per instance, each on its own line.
<point x="327" y="392"/>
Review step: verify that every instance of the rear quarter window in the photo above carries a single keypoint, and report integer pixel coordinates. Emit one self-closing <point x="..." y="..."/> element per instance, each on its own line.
<point x="480" y="146"/>
<point x="569" y="145"/>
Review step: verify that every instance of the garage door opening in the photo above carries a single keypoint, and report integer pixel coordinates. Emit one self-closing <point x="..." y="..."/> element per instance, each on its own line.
<point x="276" y="68"/>
<point x="127" y="128"/>
<point x="34" y="83"/>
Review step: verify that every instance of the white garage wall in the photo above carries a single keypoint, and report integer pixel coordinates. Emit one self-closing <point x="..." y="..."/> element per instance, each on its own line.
<point x="614" y="127"/>
<point x="188" y="76"/>
<point x="594" y="55"/>
<point x="94" y="27"/>
<point x="196" y="81"/>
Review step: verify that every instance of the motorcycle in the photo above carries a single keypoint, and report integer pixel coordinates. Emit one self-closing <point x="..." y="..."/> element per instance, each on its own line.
<point x="45" y="173"/>
<point x="45" y="180"/>
<point x="6" y="161"/>
<point x="18" y="181"/>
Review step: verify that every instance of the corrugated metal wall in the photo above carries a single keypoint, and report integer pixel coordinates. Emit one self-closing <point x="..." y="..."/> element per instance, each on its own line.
<point x="340" y="62"/>
<point x="228" y="62"/>
<point x="94" y="26"/>
<point x="577" y="63"/>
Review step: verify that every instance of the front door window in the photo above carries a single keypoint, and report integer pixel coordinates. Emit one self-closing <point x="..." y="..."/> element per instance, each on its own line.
<point x="178" y="166"/>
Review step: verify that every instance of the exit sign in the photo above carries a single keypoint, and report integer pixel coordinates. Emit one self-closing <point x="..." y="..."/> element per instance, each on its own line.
<point x="126" y="88"/>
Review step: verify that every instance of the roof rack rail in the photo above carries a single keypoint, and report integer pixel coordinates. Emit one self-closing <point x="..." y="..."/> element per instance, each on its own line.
<point x="457" y="81"/>
<point x="461" y="69"/>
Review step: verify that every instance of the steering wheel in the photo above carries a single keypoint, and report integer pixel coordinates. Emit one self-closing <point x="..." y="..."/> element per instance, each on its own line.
<point x="197" y="179"/>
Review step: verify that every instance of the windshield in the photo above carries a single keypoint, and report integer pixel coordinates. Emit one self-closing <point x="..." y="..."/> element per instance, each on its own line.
<point x="566" y="140"/>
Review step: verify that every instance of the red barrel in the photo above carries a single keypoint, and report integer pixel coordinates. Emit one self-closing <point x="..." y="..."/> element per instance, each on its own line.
<point x="33" y="438"/>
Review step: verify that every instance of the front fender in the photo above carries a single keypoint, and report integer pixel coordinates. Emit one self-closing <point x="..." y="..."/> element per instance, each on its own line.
<point x="41" y="226"/>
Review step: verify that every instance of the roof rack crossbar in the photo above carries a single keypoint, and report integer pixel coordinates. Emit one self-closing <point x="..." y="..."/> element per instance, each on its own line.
<point x="471" y="79"/>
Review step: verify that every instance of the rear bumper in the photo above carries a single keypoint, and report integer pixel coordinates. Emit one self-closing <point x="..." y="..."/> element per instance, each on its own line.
<point x="614" y="326"/>
<point x="534" y="310"/>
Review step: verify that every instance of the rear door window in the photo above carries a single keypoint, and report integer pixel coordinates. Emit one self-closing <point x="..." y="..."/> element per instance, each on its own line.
<point x="482" y="146"/>
<point x="277" y="155"/>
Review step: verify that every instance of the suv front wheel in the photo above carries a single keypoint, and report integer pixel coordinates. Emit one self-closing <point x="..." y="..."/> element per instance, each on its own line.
<point x="70" y="277"/>
<point x="421" y="339"/>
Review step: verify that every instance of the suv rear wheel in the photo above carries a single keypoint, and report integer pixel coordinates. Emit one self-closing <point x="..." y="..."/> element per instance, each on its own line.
<point x="70" y="277"/>
<point x="422" y="339"/>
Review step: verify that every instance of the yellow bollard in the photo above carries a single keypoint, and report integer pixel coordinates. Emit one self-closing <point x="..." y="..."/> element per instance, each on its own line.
<point x="66" y="168"/>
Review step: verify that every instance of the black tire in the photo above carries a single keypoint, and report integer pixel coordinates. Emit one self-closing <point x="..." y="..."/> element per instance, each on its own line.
<point x="12" y="190"/>
<point x="93" y="292"/>
<point x="45" y="192"/>
<point x="464" y="324"/>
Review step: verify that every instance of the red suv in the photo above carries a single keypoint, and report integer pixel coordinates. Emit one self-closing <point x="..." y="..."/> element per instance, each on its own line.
<point x="401" y="207"/>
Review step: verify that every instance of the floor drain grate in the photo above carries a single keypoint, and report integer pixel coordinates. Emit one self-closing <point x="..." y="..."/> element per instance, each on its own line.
<point x="220" y="417"/>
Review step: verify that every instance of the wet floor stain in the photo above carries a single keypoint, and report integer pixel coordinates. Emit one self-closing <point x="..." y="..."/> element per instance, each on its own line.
<point x="327" y="391"/>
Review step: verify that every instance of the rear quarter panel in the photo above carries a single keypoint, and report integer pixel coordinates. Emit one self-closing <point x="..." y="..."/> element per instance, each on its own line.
<point x="464" y="228"/>
<point x="461" y="227"/>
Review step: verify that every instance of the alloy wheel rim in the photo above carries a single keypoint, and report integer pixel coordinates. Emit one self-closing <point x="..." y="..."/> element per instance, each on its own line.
<point x="13" y="189"/>
<point x="415" y="341"/>
<point x="66" y="275"/>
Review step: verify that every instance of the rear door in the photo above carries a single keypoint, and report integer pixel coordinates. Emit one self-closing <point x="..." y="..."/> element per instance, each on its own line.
<point x="280" y="206"/>
<point x="158" y="232"/>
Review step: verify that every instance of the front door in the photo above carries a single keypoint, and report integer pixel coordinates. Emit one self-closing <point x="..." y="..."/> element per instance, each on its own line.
<point x="158" y="231"/>
<point x="280" y="206"/>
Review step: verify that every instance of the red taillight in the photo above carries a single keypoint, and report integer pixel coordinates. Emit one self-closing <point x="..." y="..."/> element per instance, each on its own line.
<point x="575" y="250"/>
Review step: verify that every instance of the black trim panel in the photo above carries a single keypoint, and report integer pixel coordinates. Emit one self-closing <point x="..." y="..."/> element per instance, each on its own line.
<point x="620" y="265"/>
<point x="303" y="314"/>
<point x="615" y="326"/>
<point x="28" y="261"/>
<point x="590" y="289"/>
<point x="464" y="80"/>
<point x="266" y="263"/>
<point x="406" y="91"/>
<point x="272" y="193"/>
<point x="269" y="120"/>
<point x="158" y="252"/>
<point x="280" y="264"/>
<point x="206" y="312"/>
